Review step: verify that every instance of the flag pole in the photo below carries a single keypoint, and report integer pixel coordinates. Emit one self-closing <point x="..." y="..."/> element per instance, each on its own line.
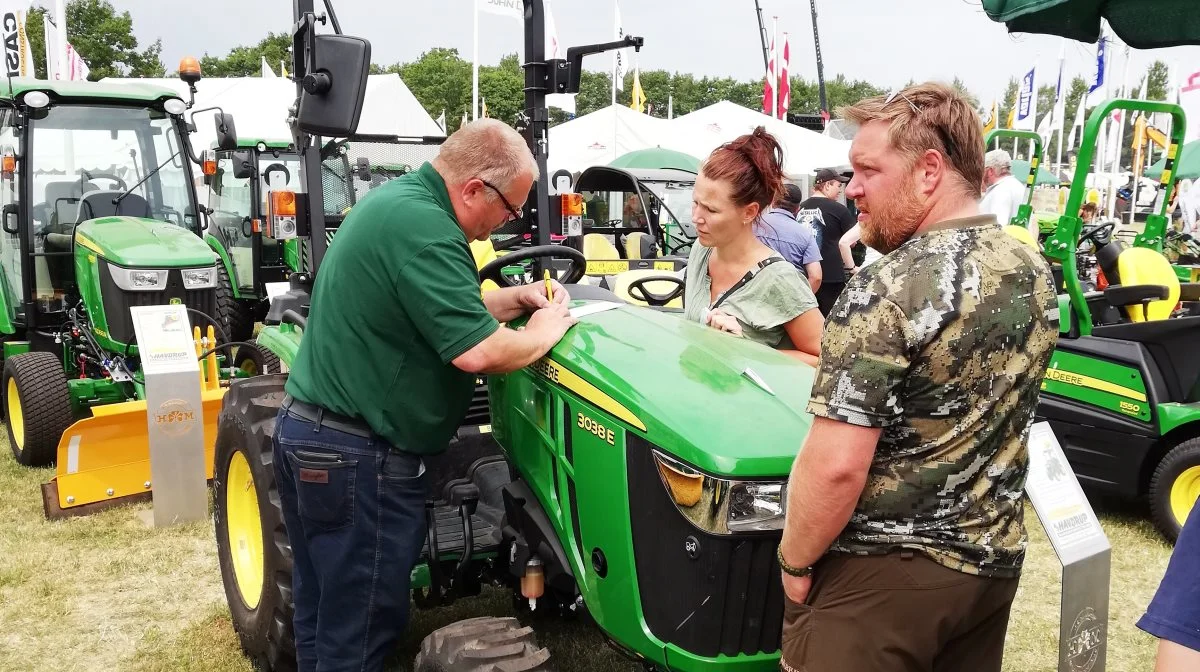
<point x="775" y="68"/>
<point x="475" y="62"/>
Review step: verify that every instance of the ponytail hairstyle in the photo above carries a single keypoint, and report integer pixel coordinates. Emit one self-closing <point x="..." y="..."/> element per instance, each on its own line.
<point x="753" y="167"/>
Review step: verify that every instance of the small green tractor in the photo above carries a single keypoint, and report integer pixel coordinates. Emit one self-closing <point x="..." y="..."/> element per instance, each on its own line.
<point x="99" y="215"/>
<point x="1122" y="392"/>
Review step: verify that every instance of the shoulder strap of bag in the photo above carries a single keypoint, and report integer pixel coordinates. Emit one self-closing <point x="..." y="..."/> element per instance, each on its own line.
<point x="745" y="280"/>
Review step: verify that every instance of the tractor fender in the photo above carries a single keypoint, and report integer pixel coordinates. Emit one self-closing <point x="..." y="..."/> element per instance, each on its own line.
<point x="528" y="529"/>
<point x="6" y="325"/>
<point x="218" y="246"/>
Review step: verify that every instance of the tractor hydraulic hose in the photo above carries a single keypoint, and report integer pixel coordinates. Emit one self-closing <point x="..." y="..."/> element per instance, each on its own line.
<point x="216" y="325"/>
<point x="226" y="346"/>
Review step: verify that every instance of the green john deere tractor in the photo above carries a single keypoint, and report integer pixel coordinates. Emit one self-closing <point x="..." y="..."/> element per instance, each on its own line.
<point x="605" y="483"/>
<point x="1122" y="392"/>
<point x="99" y="216"/>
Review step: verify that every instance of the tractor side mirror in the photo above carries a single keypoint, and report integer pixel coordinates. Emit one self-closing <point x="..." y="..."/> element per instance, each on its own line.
<point x="335" y="85"/>
<point x="243" y="164"/>
<point x="9" y="213"/>
<point x="362" y="168"/>
<point x="226" y="131"/>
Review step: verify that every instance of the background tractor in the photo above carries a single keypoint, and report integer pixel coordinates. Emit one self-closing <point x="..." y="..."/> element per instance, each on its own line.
<point x="604" y="483"/>
<point x="99" y="215"/>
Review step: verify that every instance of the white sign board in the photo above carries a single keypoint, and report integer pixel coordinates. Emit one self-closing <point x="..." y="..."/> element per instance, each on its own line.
<point x="174" y="413"/>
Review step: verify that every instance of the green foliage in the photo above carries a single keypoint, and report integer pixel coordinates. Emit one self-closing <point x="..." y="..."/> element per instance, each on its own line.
<point x="102" y="37"/>
<point x="247" y="61"/>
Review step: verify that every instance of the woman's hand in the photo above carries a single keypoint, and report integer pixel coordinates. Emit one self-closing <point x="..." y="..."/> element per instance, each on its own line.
<point x="718" y="319"/>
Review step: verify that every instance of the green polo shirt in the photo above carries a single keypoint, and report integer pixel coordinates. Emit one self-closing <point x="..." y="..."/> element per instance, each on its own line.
<point x="396" y="299"/>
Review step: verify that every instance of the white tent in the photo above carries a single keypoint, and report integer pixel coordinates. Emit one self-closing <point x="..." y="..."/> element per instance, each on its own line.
<point x="804" y="151"/>
<point x="596" y="139"/>
<point x="260" y="106"/>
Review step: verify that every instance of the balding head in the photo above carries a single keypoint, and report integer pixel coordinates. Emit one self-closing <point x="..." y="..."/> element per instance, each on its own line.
<point x="484" y="163"/>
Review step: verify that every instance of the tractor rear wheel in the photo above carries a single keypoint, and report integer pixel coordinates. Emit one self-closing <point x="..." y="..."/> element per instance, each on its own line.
<point x="236" y="316"/>
<point x="1175" y="487"/>
<point x="252" y="543"/>
<point x="484" y="644"/>
<point x="257" y="362"/>
<point x="37" y="405"/>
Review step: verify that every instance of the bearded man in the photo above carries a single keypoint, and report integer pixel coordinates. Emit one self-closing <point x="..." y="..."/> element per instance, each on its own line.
<point x="904" y="535"/>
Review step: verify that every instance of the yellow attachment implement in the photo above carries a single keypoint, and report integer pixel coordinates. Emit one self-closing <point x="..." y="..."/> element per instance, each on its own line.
<point x="105" y="459"/>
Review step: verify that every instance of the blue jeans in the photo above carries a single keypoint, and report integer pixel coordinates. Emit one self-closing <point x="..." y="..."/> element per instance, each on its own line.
<point x="354" y="508"/>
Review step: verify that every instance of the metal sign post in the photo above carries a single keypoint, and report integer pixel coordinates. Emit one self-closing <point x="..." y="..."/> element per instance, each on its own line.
<point x="1082" y="548"/>
<point x="174" y="413"/>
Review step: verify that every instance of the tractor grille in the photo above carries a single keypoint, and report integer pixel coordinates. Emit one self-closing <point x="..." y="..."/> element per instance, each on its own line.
<point x="117" y="302"/>
<point x="728" y="600"/>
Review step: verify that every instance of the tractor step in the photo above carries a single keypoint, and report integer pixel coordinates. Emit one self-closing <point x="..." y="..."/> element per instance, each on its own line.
<point x="449" y="527"/>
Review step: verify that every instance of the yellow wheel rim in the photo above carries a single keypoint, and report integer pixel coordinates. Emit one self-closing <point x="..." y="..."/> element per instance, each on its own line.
<point x="1184" y="492"/>
<point x="16" y="418"/>
<point x="249" y="368"/>
<point x="244" y="527"/>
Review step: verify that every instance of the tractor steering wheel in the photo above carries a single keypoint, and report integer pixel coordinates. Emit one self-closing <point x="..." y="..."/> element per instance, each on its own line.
<point x="99" y="175"/>
<point x="494" y="270"/>
<point x="637" y="289"/>
<point x="1093" y="233"/>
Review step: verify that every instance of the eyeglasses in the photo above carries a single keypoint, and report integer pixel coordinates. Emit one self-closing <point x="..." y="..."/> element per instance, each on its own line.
<point x="951" y="149"/>
<point x="516" y="213"/>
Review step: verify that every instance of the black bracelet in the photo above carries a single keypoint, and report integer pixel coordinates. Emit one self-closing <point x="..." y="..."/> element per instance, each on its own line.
<point x="798" y="572"/>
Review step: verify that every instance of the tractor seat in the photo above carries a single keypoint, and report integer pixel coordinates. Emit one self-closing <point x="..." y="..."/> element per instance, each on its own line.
<point x="484" y="253"/>
<point x="1133" y="273"/>
<point x="640" y="245"/>
<point x="100" y="204"/>
<point x="598" y="248"/>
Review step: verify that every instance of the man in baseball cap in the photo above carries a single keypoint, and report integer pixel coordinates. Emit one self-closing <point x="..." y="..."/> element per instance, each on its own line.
<point x="829" y="220"/>
<point x="778" y="229"/>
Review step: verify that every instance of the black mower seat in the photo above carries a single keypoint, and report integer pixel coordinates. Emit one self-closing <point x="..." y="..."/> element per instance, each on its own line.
<point x="1172" y="345"/>
<point x="100" y="204"/>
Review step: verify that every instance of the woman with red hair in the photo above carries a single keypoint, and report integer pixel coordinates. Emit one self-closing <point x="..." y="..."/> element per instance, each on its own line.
<point x="734" y="282"/>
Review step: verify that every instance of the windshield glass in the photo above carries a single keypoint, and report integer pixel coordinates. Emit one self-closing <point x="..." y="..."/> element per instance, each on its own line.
<point x="677" y="196"/>
<point x="84" y="156"/>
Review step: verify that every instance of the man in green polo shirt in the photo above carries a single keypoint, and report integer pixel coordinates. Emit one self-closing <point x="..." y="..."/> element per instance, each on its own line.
<point x="396" y="335"/>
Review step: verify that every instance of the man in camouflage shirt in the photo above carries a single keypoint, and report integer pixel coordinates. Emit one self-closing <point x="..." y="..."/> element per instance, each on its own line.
<point x="904" y="536"/>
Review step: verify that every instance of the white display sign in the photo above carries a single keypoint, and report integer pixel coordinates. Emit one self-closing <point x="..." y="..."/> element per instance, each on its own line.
<point x="164" y="339"/>
<point x="1061" y="505"/>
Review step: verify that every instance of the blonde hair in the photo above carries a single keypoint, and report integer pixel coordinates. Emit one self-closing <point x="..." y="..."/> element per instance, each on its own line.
<point x="943" y="119"/>
<point x="487" y="149"/>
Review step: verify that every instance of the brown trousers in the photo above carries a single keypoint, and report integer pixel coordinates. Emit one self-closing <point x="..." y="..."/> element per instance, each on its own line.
<point x="897" y="613"/>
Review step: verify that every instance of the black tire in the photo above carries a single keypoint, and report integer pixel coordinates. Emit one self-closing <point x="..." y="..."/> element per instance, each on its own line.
<point x="236" y="316"/>
<point x="45" y="399"/>
<point x="485" y="644"/>
<point x="1180" y="459"/>
<point x="257" y="362"/>
<point x="246" y="425"/>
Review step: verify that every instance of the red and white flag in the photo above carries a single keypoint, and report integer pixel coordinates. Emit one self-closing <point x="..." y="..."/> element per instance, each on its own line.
<point x="785" y="87"/>
<point x="769" y="87"/>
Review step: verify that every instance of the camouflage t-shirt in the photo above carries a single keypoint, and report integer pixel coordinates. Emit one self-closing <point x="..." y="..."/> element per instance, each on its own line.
<point x="943" y="344"/>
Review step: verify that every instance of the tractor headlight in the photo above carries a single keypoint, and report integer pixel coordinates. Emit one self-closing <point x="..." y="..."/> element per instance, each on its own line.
<point x="723" y="506"/>
<point x="200" y="278"/>
<point x="138" y="279"/>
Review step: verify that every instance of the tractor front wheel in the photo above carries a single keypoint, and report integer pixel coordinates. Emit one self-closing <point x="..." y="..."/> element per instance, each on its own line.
<point x="1175" y="488"/>
<point x="37" y="406"/>
<point x="236" y="316"/>
<point x="257" y="361"/>
<point x="252" y="543"/>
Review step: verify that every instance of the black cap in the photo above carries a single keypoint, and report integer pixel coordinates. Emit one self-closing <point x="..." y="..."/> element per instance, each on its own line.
<point x="825" y="175"/>
<point x="792" y="194"/>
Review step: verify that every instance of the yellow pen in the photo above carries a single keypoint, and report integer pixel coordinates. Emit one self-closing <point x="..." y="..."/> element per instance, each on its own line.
<point x="549" y="289"/>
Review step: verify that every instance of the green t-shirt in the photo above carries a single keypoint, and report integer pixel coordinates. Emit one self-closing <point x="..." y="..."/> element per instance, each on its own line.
<point x="775" y="296"/>
<point x="396" y="299"/>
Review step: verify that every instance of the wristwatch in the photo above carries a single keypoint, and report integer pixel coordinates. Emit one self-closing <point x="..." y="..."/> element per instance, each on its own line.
<point x="788" y="569"/>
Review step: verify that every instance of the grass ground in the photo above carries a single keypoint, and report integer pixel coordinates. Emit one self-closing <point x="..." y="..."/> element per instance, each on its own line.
<point x="107" y="592"/>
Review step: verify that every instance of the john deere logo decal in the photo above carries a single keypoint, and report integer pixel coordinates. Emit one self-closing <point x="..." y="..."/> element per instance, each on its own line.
<point x="176" y="302"/>
<point x="175" y="417"/>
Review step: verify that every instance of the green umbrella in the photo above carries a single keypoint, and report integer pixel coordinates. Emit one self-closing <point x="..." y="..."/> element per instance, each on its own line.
<point x="1020" y="170"/>
<point x="657" y="157"/>
<point x="1187" y="167"/>
<point x="1142" y="24"/>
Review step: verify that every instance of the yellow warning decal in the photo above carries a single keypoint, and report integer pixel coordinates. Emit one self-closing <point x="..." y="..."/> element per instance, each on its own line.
<point x="87" y="242"/>
<point x="1081" y="380"/>
<point x="555" y="373"/>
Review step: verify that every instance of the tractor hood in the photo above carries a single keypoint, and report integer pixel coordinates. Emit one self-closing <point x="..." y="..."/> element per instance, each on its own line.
<point x="134" y="242"/>
<point x="726" y="405"/>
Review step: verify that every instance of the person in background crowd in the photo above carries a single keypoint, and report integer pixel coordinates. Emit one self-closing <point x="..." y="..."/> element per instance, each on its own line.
<point x="734" y="282"/>
<point x="779" y="230"/>
<point x="1003" y="193"/>
<point x="904" y="536"/>
<point x="829" y="220"/>
<point x="846" y="247"/>
<point x="1174" y="614"/>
